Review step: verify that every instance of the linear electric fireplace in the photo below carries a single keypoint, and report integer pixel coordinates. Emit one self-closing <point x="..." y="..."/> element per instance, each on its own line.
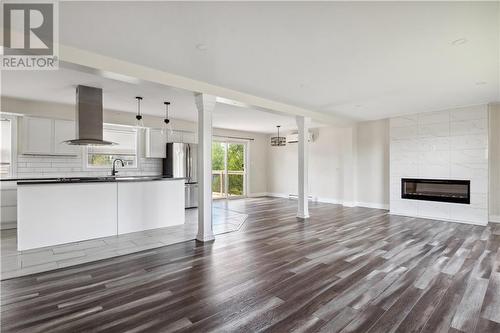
<point x="445" y="190"/>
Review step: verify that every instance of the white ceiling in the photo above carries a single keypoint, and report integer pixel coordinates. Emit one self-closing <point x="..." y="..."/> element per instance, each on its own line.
<point x="366" y="60"/>
<point x="59" y="87"/>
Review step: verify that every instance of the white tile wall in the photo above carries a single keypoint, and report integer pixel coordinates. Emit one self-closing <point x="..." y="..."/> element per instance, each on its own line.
<point x="451" y="144"/>
<point x="72" y="166"/>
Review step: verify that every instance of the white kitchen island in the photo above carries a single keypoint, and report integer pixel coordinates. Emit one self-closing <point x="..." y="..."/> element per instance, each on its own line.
<point x="59" y="212"/>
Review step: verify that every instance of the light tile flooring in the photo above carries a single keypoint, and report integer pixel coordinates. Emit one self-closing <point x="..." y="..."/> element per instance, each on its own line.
<point x="18" y="263"/>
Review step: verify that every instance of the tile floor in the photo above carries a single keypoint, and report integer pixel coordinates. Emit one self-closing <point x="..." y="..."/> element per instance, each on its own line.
<point x="18" y="263"/>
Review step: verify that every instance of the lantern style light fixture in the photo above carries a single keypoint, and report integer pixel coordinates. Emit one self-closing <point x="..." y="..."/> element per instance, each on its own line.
<point x="138" y="117"/>
<point x="278" y="141"/>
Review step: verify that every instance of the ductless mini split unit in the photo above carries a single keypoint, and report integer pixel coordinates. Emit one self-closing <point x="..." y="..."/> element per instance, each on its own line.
<point x="294" y="137"/>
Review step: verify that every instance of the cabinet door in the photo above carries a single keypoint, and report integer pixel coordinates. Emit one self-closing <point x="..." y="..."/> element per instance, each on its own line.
<point x="64" y="130"/>
<point x="37" y="136"/>
<point x="155" y="143"/>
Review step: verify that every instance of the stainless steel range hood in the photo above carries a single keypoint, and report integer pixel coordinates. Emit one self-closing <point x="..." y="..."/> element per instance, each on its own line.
<point x="88" y="118"/>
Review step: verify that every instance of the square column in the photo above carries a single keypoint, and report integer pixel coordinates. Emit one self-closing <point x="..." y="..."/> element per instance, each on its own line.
<point x="303" y="124"/>
<point x="205" y="104"/>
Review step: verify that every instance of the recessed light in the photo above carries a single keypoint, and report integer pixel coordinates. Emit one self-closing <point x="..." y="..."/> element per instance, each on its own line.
<point x="481" y="83"/>
<point x="202" y="47"/>
<point x="459" y="41"/>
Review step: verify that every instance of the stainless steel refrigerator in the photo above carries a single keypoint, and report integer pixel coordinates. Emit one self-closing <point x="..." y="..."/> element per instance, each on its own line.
<point x="181" y="162"/>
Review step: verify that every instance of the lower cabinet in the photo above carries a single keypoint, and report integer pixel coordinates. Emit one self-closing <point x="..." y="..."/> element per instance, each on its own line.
<point x="150" y="205"/>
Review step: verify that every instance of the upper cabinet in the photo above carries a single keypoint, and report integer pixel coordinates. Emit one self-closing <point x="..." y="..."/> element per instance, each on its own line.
<point x="64" y="130"/>
<point x="155" y="143"/>
<point x="37" y="135"/>
<point x="43" y="136"/>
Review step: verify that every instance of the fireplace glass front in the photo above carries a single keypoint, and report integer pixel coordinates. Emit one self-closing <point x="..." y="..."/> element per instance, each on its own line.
<point x="444" y="190"/>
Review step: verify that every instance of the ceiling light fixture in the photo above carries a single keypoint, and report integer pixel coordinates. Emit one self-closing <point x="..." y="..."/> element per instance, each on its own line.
<point x="481" y="83"/>
<point x="138" y="116"/>
<point x="278" y="141"/>
<point x="166" y="120"/>
<point x="167" y="125"/>
<point x="459" y="41"/>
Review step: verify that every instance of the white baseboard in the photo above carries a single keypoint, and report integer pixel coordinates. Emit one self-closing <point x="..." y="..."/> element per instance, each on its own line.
<point x="333" y="201"/>
<point x="329" y="200"/>
<point x="277" y="195"/>
<point x="257" y="195"/>
<point x="494" y="218"/>
<point x="372" y="205"/>
<point x="440" y="219"/>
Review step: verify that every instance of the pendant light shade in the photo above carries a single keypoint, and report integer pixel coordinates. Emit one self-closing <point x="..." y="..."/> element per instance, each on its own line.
<point x="166" y="120"/>
<point x="278" y="141"/>
<point x="138" y="117"/>
<point x="167" y="126"/>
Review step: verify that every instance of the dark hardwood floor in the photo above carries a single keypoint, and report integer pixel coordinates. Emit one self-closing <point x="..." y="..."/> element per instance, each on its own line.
<point x="343" y="270"/>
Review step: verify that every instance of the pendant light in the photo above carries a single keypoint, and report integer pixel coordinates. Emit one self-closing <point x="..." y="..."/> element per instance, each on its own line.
<point x="167" y="126"/>
<point x="278" y="141"/>
<point x="138" y="116"/>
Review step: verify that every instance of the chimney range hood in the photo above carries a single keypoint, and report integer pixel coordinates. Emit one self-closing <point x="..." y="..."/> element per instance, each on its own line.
<point x="88" y="118"/>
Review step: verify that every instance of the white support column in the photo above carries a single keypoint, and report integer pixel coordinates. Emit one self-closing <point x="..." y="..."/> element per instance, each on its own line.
<point x="303" y="158"/>
<point x="205" y="104"/>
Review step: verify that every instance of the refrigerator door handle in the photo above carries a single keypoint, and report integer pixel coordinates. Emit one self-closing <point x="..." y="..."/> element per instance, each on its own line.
<point x="188" y="162"/>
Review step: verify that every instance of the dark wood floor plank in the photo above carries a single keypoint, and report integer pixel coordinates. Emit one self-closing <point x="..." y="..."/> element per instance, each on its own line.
<point x="343" y="270"/>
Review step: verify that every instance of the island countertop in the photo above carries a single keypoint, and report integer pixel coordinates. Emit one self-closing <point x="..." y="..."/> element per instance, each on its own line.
<point x="104" y="179"/>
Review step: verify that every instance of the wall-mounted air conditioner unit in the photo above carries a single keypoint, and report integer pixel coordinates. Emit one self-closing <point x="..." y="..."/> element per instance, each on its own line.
<point x="294" y="137"/>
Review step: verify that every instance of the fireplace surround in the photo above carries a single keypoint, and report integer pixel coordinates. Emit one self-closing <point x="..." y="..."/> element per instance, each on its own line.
<point x="443" y="190"/>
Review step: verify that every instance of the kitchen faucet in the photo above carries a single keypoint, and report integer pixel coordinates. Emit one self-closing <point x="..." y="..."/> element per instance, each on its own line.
<point x="114" y="172"/>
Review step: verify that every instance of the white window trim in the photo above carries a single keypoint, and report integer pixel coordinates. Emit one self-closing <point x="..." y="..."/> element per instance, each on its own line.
<point x="138" y="151"/>
<point x="13" y="142"/>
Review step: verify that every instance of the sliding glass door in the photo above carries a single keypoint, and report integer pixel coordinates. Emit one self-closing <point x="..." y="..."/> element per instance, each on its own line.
<point x="228" y="169"/>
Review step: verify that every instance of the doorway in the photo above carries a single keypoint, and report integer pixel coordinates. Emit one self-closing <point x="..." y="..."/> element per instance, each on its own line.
<point x="228" y="170"/>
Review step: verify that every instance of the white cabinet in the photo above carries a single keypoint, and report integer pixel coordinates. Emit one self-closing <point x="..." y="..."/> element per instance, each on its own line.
<point x="43" y="136"/>
<point x="37" y="135"/>
<point x="155" y="143"/>
<point x="64" y="130"/>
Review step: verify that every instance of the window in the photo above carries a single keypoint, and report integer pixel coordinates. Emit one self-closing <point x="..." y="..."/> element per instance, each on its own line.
<point x="228" y="169"/>
<point x="125" y="148"/>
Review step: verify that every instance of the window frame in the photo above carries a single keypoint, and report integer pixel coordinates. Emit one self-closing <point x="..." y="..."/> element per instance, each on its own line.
<point x="136" y="167"/>
<point x="13" y="118"/>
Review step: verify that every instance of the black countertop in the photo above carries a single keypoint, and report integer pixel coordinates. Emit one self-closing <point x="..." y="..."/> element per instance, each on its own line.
<point x="104" y="179"/>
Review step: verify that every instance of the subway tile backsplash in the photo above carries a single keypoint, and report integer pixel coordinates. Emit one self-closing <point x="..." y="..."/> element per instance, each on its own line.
<point x="31" y="166"/>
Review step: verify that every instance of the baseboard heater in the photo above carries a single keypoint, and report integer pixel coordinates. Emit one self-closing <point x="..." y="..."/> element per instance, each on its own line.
<point x="443" y="190"/>
<point x="296" y="196"/>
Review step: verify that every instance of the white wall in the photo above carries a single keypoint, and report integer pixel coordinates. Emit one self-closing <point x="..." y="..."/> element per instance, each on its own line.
<point x="373" y="163"/>
<point x="494" y="208"/>
<point x="325" y="173"/>
<point x="449" y="144"/>
<point x="346" y="165"/>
